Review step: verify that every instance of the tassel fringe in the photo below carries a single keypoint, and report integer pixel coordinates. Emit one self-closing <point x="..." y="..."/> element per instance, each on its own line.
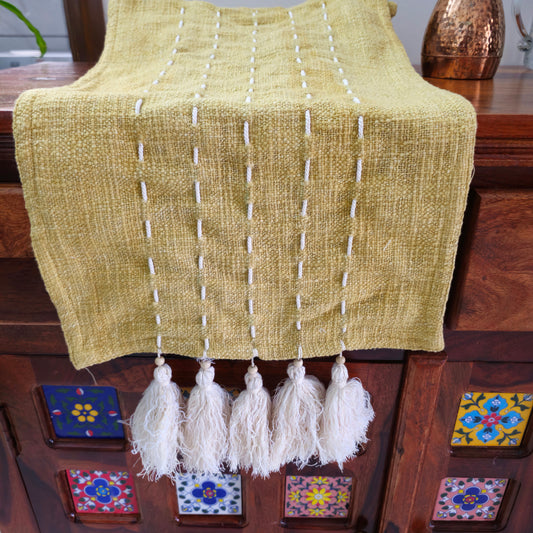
<point x="249" y="427"/>
<point x="156" y="424"/>
<point x="346" y="416"/>
<point x="296" y="412"/>
<point x="205" y="435"/>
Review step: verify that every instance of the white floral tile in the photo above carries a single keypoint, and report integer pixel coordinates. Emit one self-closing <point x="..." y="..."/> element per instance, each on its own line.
<point x="203" y="494"/>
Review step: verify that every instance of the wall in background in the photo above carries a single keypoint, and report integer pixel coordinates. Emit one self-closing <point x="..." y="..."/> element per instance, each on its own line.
<point x="410" y="24"/>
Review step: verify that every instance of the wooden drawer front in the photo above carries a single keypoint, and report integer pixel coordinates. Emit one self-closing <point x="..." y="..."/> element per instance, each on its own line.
<point x="14" y="223"/>
<point x="494" y="289"/>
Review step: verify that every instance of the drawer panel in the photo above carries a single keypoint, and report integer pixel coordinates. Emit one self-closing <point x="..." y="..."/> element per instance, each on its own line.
<point x="494" y="279"/>
<point x="14" y="223"/>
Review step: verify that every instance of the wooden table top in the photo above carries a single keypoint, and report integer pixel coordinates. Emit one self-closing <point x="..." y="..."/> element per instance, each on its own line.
<point x="504" y="106"/>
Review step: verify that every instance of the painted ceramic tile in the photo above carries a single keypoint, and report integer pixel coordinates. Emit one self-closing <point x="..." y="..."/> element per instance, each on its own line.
<point x="492" y="419"/>
<point x="84" y="412"/>
<point x="95" y="491"/>
<point x="464" y="498"/>
<point x="209" y="494"/>
<point x="317" y="496"/>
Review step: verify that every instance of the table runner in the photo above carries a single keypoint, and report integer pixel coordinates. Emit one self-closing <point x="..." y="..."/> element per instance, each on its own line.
<point x="229" y="183"/>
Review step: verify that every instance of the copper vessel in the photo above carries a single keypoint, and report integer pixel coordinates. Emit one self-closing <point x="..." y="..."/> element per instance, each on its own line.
<point x="464" y="39"/>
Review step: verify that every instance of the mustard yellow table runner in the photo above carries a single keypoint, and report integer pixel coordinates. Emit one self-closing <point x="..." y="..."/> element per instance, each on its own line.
<point x="233" y="183"/>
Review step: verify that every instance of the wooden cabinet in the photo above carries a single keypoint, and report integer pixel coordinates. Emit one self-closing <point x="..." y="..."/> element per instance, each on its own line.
<point x="451" y="428"/>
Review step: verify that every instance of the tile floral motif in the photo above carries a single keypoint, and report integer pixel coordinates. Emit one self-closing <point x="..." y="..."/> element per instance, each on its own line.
<point x="209" y="494"/>
<point x="469" y="498"/>
<point x="84" y="412"/>
<point x="95" y="491"/>
<point x="317" y="496"/>
<point x="492" y="419"/>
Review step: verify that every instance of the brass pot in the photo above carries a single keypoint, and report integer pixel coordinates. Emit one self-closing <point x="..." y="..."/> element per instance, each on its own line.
<point x="464" y="39"/>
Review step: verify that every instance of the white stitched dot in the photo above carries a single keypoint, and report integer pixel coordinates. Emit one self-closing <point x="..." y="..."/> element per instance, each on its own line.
<point x="170" y="63"/>
<point x="175" y="51"/>
<point x="298" y="301"/>
<point x="335" y="60"/>
<point x="302" y="240"/>
<point x="151" y="266"/>
<point x="246" y="133"/>
<point x="252" y="80"/>
<point x="197" y="95"/>
<point x="250" y="276"/>
<point x="148" y="228"/>
<point x="200" y="262"/>
<point x="140" y="151"/>
<point x="307" y="122"/>
<point x="218" y="13"/>
<point x="249" y="244"/>
<point x="195" y="155"/>
<point x="300" y="269"/>
<point x="247" y="99"/>
<point x="290" y="14"/>
<point x="252" y="331"/>
<point x="197" y="192"/>
<point x="217" y="25"/>
<point x="216" y="37"/>
<point x="295" y="36"/>
<point x="330" y="38"/>
<point x="138" y="105"/>
<point x="248" y="174"/>
<point x="304" y="208"/>
<point x="180" y="25"/>
<point x="207" y="66"/>
<point x="252" y="59"/>
<point x="158" y="341"/>
<point x="308" y="96"/>
<point x="304" y="85"/>
<point x="300" y="351"/>
<point x="344" y="329"/>
<point x="199" y="228"/>
<point x="202" y="292"/>
<point x="177" y="40"/>
<point x="360" y="125"/>
<point x="251" y="306"/>
<point x="345" y="81"/>
<point x="206" y="344"/>
<point x="349" y="247"/>
<point x="302" y="72"/>
<point x="204" y="321"/>
<point x="182" y="10"/>
<point x="298" y="60"/>
<point x="356" y="100"/>
<point x="331" y="48"/>
<point x="344" y="278"/>
<point x="204" y="76"/>
<point x="352" y="208"/>
<point x="343" y="307"/>
<point x="156" y="296"/>
<point x="329" y="27"/>
<point x="343" y="346"/>
<point x="158" y="319"/>
<point x="155" y="82"/>
<point x="254" y="32"/>
<point x="215" y="46"/>
<point x="359" y="170"/>
<point x="298" y="325"/>
<point x="250" y="210"/>
<point x="307" y="169"/>
<point x="212" y="56"/>
<point x="162" y="73"/>
<point x="195" y="116"/>
<point x="144" y="192"/>
<point x="203" y="86"/>
<point x="341" y="70"/>
<point x="325" y="16"/>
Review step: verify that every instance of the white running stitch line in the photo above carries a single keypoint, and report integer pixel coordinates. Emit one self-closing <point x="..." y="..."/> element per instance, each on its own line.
<point x="359" y="168"/>
<point x="144" y="192"/>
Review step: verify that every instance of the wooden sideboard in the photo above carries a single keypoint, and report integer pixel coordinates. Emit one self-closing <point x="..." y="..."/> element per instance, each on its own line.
<point x="395" y="484"/>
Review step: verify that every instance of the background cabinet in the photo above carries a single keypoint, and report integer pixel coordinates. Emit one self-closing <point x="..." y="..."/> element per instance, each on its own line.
<point x="412" y="462"/>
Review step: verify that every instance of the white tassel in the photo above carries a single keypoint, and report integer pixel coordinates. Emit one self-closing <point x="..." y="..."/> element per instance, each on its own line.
<point x="249" y="427"/>
<point x="156" y="424"/>
<point x="296" y="412"/>
<point x="347" y="414"/>
<point x="205" y="435"/>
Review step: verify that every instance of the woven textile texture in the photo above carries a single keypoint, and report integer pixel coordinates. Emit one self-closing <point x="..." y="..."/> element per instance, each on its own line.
<point x="230" y="182"/>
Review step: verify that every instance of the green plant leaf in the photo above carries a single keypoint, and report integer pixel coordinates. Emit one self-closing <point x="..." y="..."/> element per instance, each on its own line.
<point x="41" y="43"/>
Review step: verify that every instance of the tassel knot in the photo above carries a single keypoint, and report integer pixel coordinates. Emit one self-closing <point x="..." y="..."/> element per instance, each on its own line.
<point x="253" y="380"/>
<point x="163" y="374"/>
<point x="206" y="375"/>
<point x="339" y="372"/>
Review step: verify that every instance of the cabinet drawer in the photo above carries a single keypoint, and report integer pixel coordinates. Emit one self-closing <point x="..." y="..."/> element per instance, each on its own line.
<point x="14" y="223"/>
<point x="494" y="278"/>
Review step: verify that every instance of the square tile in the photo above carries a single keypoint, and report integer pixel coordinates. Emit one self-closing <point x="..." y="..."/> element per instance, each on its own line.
<point x="476" y="499"/>
<point x="203" y="494"/>
<point x="317" y="496"/>
<point x="102" y="492"/>
<point x="84" y="412"/>
<point x="492" y="419"/>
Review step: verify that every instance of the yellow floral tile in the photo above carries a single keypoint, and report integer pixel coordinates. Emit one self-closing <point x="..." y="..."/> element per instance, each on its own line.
<point x="492" y="419"/>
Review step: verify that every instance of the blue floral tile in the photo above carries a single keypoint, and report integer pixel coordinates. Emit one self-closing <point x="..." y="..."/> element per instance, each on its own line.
<point x="492" y="419"/>
<point x="469" y="499"/>
<point x="84" y="412"/>
<point x="203" y="494"/>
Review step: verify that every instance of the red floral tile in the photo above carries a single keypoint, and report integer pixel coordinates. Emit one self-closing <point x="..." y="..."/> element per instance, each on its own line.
<point x="317" y="496"/>
<point x="102" y="492"/>
<point x="469" y="499"/>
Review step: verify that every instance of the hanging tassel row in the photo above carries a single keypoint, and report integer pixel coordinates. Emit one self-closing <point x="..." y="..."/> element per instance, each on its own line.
<point x="302" y="422"/>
